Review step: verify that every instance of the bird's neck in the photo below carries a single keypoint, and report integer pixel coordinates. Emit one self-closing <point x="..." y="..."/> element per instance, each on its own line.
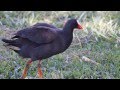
<point x="68" y="36"/>
<point x="68" y="29"/>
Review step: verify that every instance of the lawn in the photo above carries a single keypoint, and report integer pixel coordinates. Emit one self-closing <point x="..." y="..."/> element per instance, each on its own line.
<point x="93" y="54"/>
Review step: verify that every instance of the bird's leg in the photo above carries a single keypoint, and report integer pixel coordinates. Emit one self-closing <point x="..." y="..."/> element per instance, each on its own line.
<point x="26" y="69"/>
<point x="40" y="74"/>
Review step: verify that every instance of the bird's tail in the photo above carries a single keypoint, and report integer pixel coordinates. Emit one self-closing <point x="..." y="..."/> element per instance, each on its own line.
<point x="8" y="41"/>
<point x="13" y="43"/>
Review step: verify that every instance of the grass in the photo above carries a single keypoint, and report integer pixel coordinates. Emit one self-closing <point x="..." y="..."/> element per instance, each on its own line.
<point x="99" y="41"/>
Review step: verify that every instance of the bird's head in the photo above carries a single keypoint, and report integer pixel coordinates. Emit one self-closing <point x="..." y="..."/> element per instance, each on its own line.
<point x="73" y="23"/>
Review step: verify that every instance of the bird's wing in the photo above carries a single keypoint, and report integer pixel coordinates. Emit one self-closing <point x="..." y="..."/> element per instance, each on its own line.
<point x="38" y="34"/>
<point x="45" y="24"/>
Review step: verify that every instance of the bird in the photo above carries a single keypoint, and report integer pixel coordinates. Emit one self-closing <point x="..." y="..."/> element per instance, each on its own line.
<point x="41" y="41"/>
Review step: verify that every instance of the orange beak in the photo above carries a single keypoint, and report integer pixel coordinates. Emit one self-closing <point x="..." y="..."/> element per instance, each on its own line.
<point x="79" y="26"/>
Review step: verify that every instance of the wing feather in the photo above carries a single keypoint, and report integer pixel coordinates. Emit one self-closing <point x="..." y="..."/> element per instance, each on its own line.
<point x="38" y="34"/>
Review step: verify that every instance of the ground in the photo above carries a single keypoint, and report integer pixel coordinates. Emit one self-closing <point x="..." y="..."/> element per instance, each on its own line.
<point x="93" y="54"/>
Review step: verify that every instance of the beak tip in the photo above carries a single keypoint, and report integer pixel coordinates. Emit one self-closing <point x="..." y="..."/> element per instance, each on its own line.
<point x="80" y="27"/>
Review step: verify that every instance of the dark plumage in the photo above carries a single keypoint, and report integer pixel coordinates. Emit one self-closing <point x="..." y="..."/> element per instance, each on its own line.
<point x="42" y="40"/>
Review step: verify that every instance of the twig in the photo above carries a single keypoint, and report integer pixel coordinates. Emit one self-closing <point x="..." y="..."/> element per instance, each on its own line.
<point x="89" y="60"/>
